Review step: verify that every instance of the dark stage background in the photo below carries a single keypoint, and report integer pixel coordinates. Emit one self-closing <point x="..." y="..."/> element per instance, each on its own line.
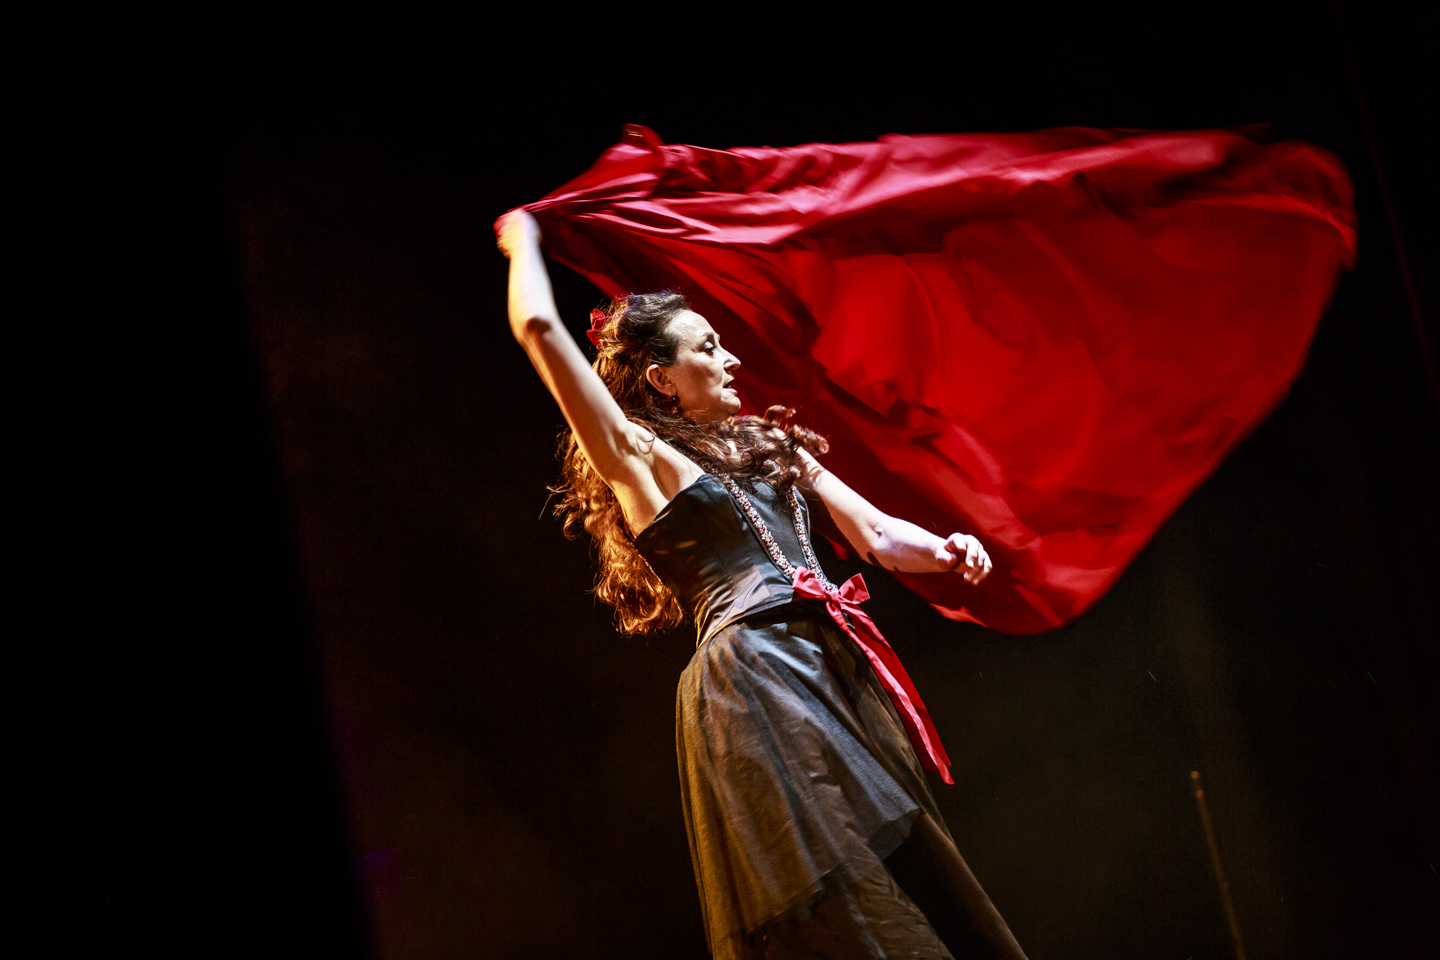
<point x="352" y="696"/>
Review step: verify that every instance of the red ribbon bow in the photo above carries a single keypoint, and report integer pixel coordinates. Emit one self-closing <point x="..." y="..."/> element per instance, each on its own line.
<point x="846" y="600"/>
<point x="598" y="320"/>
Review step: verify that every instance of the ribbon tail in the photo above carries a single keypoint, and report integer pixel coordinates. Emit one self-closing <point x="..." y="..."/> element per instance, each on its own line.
<point x="897" y="683"/>
<point x="911" y="709"/>
<point x="891" y="673"/>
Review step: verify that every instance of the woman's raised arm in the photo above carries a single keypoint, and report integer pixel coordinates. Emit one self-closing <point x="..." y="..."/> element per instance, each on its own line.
<point x="888" y="541"/>
<point x="620" y="452"/>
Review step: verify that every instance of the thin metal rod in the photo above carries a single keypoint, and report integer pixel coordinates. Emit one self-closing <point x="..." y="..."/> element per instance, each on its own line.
<point x="1215" y="862"/>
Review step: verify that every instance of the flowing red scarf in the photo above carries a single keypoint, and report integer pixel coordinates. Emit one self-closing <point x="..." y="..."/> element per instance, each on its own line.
<point x="1047" y="339"/>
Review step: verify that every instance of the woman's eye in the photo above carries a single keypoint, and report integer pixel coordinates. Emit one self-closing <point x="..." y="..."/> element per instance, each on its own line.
<point x="709" y="348"/>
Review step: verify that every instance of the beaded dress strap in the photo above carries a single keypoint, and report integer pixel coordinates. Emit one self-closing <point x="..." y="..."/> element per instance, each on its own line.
<point x="843" y="605"/>
<point x="771" y="547"/>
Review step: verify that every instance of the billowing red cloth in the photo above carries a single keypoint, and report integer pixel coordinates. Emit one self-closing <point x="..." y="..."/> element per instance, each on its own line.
<point x="1047" y="339"/>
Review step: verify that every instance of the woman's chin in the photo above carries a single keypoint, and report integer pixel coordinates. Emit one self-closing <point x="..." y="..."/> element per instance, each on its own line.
<point x="723" y="408"/>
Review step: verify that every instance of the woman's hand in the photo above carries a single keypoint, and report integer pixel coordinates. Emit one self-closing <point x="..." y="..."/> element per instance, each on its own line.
<point x="518" y="231"/>
<point x="965" y="551"/>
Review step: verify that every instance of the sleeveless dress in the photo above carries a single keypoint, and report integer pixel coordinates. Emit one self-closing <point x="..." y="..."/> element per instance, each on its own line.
<point x="796" y="774"/>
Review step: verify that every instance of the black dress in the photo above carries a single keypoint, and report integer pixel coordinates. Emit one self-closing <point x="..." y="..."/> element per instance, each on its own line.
<point x="796" y="775"/>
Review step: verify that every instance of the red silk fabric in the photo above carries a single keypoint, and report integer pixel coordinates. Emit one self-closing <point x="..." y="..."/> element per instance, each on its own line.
<point x="843" y="605"/>
<point x="1046" y="339"/>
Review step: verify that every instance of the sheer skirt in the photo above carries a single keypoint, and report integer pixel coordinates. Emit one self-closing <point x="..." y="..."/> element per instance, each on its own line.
<point x="797" y="780"/>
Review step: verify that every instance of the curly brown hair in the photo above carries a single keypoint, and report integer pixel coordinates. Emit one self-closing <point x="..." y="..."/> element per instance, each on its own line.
<point x="636" y="333"/>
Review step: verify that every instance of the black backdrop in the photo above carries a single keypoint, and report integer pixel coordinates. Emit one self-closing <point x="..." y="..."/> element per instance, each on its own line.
<point x="344" y="691"/>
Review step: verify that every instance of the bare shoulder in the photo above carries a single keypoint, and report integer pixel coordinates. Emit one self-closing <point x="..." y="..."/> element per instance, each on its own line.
<point x="672" y="470"/>
<point x="660" y="472"/>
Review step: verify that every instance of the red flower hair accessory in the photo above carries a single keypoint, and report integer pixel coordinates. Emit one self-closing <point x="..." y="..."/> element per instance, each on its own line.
<point x="597" y="325"/>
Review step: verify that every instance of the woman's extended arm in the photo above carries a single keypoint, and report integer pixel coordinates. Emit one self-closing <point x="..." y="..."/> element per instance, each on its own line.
<point x="621" y="452"/>
<point x="887" y="541"/>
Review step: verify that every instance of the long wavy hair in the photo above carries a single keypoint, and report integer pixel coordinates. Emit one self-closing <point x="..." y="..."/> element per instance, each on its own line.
<point x="636" y="333"/>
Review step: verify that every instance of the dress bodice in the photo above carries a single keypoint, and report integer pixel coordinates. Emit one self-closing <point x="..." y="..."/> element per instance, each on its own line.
<point x="712" y="558"/>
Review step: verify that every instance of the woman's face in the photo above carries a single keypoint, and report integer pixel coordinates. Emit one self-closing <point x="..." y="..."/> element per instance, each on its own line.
<point x="701" y="374"/>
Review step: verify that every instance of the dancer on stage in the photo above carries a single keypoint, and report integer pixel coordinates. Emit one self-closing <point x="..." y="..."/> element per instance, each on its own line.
<point x="802" y="743"/>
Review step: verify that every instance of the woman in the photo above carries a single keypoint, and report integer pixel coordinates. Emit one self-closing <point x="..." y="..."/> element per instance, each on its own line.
<point x="812" y="828"/>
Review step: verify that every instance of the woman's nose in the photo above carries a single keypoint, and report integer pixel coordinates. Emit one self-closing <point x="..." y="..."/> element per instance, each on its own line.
<point x="733" y="362"/>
